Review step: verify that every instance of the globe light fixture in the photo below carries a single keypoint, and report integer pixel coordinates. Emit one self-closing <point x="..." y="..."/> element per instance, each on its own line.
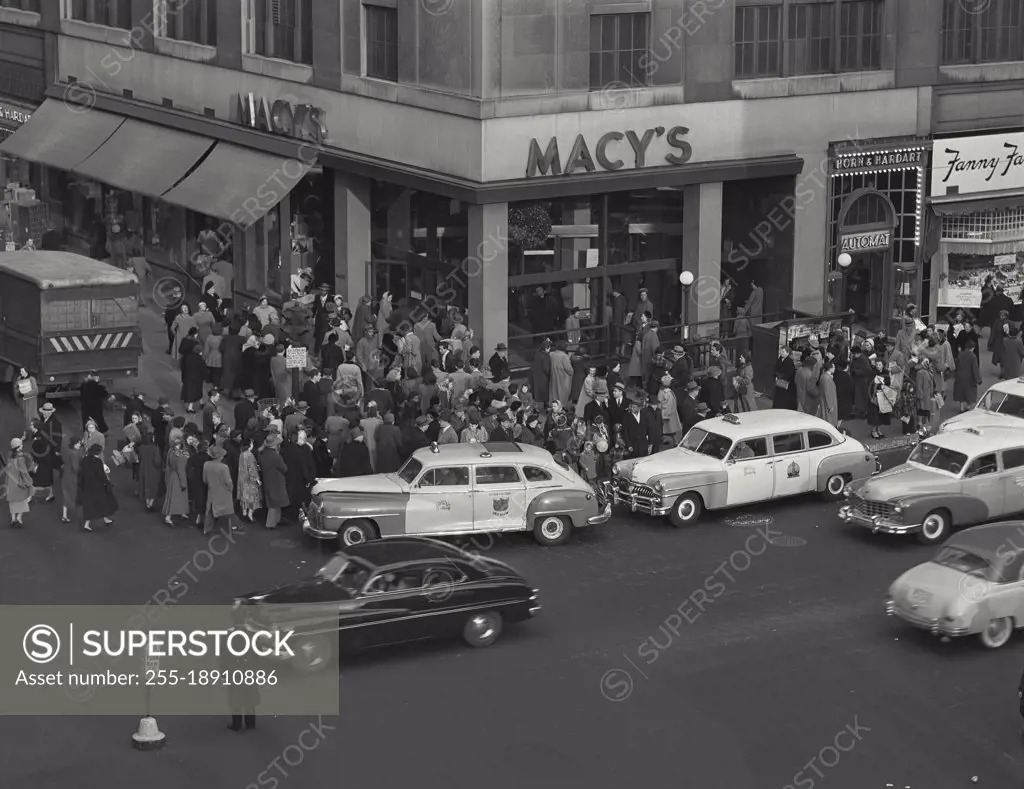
<point x="686" y="279"/>
<point x="844" y="260"/>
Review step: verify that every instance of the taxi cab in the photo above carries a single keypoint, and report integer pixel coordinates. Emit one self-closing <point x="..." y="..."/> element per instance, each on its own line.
<point x="952" y="479"/>
<point x="459" y="489"/>
<point x="1001" y="406"/>
<point x="734" y="460"/>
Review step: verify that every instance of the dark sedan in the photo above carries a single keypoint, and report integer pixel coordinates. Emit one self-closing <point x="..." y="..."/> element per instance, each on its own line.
<point x="392" y="591"/>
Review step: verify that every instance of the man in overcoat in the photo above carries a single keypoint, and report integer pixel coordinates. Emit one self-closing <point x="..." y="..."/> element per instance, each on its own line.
<point x="220" y="492"/>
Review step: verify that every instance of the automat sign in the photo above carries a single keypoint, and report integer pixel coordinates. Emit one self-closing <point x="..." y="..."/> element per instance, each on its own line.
<point x="612" y="151"/>
<point x="865" y="242"/>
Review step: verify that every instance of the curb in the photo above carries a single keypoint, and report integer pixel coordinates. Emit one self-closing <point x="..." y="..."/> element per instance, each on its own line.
<point x="889" y="444"/>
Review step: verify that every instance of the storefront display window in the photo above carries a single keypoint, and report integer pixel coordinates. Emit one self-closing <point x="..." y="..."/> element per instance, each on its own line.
<point x="311" y="230"/>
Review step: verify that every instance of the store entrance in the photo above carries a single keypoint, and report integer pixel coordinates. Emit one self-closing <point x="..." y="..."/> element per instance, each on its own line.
<point x="865" y="290"/>
<point x="416" y="279"/>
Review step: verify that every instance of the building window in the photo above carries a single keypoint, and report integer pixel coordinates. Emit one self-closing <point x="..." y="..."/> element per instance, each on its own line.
<point x="381" y="42"/>
<point x="194" y="21"/>
<point x="618" y="44"/>
<point x="990" y="33"/>
<point x="21" y="5"/>
<point x="282" y="29"/>
<point x="112" y="13"/>
<point x="809" y="38"/>
<point x="860" y="35"/>
<point x="756" y="41"/>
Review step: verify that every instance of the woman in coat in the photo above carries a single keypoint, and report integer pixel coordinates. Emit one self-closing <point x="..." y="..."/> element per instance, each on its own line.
<point x="743" y="384"/>
<point x="180" y="328"/>
<point x="176" y="482"/>
<point x="150" y="470"/>
<point x="876" y="417"/>
<point x="861" y="373"/>
<point x="248" y="365"/>
<point x="93" y="437"/>
<point x="670" y="424"/>
<point x="648" y="351"/>
<point x="844" y="392"/>
<point x="967" y="378"/>
<point x="355" y="459"/>
<point x="297" y="455"/>
<point x="785" y="381"/>
<point x="197" y="493"/>
<point x="96" y="494"/>
<point x="44" y="457"/>
<point x="26" y="394"/>
<point x="231" y="361"/>
<point x="205" y="321"/>
<point x="193" y="375"/>
<point x="828" y="408"/>
<point x="72" y="459"/>
<point x="1013" y="354"/>
<point x="925" y="390"/>
<point x="18" y="482"/>
<point x="540" y="371"/>
<point x="275" y="485"/>
<point x="561" y="375"/>
<point x="388" y="446"/>
<point x="249" y="488"/>
<point x="280" y="374"/>
<point x="213" y="357"/>
<point x="998" y="337"/>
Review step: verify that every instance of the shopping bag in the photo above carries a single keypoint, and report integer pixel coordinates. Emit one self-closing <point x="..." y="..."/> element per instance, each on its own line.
<point x="117" y="458"/>
<point x="884" y="403"/>
<point x="940" y="401"/>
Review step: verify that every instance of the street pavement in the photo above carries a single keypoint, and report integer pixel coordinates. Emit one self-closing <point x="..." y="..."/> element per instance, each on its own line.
<point x="621" y="681"/>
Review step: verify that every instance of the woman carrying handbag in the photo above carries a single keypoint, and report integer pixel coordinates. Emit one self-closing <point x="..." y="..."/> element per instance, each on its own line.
<point x="881" y="400"/>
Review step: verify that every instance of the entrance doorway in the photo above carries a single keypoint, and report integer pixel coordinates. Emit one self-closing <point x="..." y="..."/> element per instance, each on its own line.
<point x="415" y="279"/>
<point x="865" y="290"/>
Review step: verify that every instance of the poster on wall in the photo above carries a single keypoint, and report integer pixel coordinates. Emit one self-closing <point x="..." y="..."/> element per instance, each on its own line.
<point x="967" y="274"/>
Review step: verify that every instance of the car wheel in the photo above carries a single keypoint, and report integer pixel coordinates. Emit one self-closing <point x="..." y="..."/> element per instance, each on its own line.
<point x="357" y="532"/>
<point x="934" y="527"/>
<point x="997" y="632"/>
<point x="312" y="654"/>
<point x="687" y="509"/>
<point x="834" y="487"/>
<point x="552" y="530"/>
<point x="483" y="629"/>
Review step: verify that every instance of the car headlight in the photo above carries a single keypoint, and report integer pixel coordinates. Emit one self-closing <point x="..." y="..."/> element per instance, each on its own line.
<point x="659" y="488"/>
<point x="616" y="470"/>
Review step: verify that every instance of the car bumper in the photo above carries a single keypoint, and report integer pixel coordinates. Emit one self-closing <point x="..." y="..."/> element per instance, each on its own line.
<point x="936" y="627"/>
<point x="317" y="531"/>
<point x="645" y="504"/>
<point x="877" y="523"/>
<point x="603" y="517"/>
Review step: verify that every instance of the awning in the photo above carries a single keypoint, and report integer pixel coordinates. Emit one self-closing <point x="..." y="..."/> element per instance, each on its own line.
<point x="61" y="137"/>
<point x="144" y="158"/>
<point x="953" y="205"/>
<point x="238" y="184"/>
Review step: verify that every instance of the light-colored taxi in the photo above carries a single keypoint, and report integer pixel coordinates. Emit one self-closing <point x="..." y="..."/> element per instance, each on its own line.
<point x="974" y="585"/>
<point x="459" y="489"/>
<point x="733" y="460"/>
<point x="1001" y="406"/>
<point x="956" y="478"/>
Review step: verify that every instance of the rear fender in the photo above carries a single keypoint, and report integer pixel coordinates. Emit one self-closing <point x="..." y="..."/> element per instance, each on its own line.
<point x="578" y="505"/>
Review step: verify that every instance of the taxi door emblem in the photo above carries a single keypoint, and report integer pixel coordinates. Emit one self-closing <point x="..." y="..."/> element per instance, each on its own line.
<point x="444" y="505"/>
<point x="501" y="506"/>
<point x="749" y="471"/>
<point x="793" y="470"/>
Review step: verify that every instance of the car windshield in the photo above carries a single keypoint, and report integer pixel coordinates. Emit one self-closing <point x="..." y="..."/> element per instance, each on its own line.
<point x="962" y="560"/>
<point x="1003" y="403"/>
<point x="928" y="454"/>
<point x="346" y="572"/>
<point x="410" y="470"/>
<point x="705" y="443"/>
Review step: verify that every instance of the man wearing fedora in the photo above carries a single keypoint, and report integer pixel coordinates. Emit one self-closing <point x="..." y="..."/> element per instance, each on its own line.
<point x="220" y="493"/>
<point x="634" y="430"/>
<point x="689" y="410"/>
<point x="498" y="363"/>
<point x="52" y="429"/>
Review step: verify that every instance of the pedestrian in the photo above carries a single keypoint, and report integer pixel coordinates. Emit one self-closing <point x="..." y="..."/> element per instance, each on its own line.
<point x="220" y="493"/>
<point x="743" y="384"/>
<point x="929" y="403"/>
<point x="712" y="393"/>
<point x="1000" y="330"/>
<point x="71" y="461"/>
<point x="634" y="431"/>
<point x="670" y="424"/>
<point x="130" y="445"/>
<point x="150" y="468"/>
<point x="785" y="377"/>
<point x="806" y="380"/>
<point x="561" y="374"/>
<point x="275" y="485"/>
<point x="388" y="446"/>
<point x="968" y="376"/>
<point x="231" y="361"/>
<point x="19" y="488"/>
<point x="1013" y="354"/>
<point x="93" y="397"/>
<point x="93" y="437"/>
<point x="880" y="401"/>
<point x="198" y="456"/>
<point x="26" y="394"/>
<point x="540" y="374"/>
<point x="829" y="401"/>
<point x="211" y="417"/>
<point x="213" y="355"/>
<point x="176" y="482"/>
<point x="193" y="375"/>
<point x="53" y="429"/>
<point x="95" y="491"/>
<point x="355" y="458"/>
<point x="44" y="459"/>
<point x="181" y="326"/>
<point x="300" y="475"/>
<point x="250" y="494"/>
<point x="844" y="391"/>
<point x="205" y="322"/>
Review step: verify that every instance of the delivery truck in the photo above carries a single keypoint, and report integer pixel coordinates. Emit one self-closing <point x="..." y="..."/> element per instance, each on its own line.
<point x="64" y="315"/>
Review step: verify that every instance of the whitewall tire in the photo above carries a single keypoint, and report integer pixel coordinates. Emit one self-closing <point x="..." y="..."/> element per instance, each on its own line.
<point x="997" y="632"/>
<point x="687" y="510"/>
<point x="356" y="532"/>
<point x="834" y="487"/>
<point x="934" y="528"/>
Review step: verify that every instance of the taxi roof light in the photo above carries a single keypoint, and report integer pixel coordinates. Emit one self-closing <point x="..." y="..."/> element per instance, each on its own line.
<point x="972" y="431"/>
<point x="485" y="454"/>
<point x="434" y="448"/>
<point x="732" y="419"/>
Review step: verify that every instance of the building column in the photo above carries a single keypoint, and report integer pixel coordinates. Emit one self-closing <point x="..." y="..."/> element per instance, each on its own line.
<point x="702" y="255"/>
<point x="486" y="272"/>
<point x="352" y="236"/>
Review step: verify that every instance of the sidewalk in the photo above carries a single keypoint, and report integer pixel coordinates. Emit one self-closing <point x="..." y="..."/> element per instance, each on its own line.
<point x="158" y="374"/>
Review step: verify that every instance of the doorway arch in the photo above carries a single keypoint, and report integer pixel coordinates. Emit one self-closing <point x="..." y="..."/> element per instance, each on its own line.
<point x="866" y="227"/>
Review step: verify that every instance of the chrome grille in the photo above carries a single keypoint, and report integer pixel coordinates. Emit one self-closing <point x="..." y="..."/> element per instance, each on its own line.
<point x="646" y="491"/>
<point x="872" y="508"/>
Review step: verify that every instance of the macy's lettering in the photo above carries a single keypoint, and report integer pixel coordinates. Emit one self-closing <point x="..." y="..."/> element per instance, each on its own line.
<point x="1001" y="164"/>
<point x="549" y="162"/>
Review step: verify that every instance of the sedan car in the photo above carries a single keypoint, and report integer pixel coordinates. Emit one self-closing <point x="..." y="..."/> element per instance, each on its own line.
<point x="956" y="478"/>
<point x="974" y="585"/>
<point x="733" y="460"/>
<point x="1001" y="406"/>
<point x="392" y="591"/>
<point x="459" y="489"/>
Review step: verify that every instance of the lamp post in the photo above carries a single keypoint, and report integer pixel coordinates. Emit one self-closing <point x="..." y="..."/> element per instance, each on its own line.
<point x="844" y="260"/>
<point x="686" y="280"/>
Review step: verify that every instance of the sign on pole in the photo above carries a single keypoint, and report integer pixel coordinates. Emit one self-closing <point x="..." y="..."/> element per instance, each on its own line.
<point x="296" y="357"/>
